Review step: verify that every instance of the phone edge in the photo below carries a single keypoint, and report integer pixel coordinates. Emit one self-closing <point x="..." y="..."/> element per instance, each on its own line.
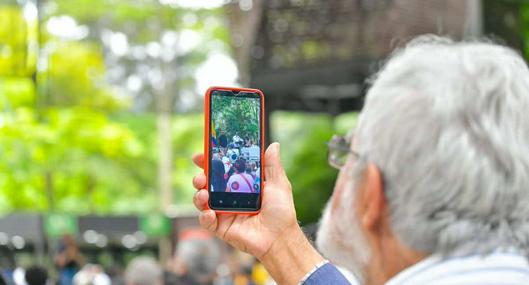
<point x="207" y="98"/>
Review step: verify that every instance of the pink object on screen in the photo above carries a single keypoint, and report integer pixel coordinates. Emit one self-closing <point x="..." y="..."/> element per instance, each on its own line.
<point x="237" y="183"/>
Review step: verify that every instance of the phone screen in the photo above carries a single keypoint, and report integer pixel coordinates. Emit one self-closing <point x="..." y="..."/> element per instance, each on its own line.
<point x="235" y="171"/>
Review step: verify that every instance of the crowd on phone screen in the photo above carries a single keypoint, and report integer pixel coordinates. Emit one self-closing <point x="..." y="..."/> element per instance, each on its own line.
<point x="235" y="164"/>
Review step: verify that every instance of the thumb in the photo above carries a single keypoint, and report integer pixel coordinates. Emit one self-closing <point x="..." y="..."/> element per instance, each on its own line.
<point x="274" y="172"/>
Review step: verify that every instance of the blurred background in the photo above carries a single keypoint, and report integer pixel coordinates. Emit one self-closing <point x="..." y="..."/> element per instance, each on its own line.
<point x="101" y="107"/>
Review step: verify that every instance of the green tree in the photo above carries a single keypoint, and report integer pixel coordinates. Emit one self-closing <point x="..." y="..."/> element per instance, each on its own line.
<point x="235" y="115"/>
<point x="303" y="140"/>
<point x="145" y="41"/>
<point x="68" y="152"/>
<point x="75" y="77"/>
<point x="71" y="144"/>
<point x="17" y="39"/>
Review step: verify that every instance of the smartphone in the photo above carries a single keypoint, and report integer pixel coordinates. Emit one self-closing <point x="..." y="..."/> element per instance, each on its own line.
<point x="233" y="148"/>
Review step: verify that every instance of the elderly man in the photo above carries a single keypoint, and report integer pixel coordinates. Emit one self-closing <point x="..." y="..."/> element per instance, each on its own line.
<point x="433" y="186"/>
<point x="197" y="260"/>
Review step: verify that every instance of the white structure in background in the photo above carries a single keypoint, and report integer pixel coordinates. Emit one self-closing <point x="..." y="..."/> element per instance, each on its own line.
<point x="65" y="27"/>
<point x="219" y="69"/>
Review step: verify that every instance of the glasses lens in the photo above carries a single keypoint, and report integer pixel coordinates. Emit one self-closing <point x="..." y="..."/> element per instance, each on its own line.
<point x="338" y="151"/>
<point x="337" y="158"/>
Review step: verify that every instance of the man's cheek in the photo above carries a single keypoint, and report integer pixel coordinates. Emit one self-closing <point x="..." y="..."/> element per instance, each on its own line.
<point x="342" y="184"/>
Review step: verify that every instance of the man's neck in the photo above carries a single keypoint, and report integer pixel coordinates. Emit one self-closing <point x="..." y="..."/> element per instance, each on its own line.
<point x="391" y="260"/>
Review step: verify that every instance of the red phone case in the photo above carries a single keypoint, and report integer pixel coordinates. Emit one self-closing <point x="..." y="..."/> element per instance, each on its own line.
<point x="207" y="141"/>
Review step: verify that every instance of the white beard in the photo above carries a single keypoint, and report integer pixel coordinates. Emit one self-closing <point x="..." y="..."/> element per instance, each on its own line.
<point x="340" y="238"/>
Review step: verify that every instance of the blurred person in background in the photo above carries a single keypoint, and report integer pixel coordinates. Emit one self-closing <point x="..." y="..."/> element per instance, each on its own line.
<point x="36" y="275"/>
<point x="197" y="258"/>
<point x="259" y="274"/>
<point x="115" y="272"/>
<point x="91" y="274"/>
<point x="433" y="185"/>
<point x="143" y="270"/>
<point x="68" y="259"/>
<point x="240" y="265"/>
<point x="7" y="263"/>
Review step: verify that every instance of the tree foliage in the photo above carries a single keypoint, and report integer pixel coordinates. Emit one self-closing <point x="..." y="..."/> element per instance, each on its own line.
<point x="72" y="144"/>
<point x="16" y="37"/>
<point x="303" y="140"/>
<point x="75" y="77"/>
<point x="236" y="116"/>
<point x="68" y="139"/>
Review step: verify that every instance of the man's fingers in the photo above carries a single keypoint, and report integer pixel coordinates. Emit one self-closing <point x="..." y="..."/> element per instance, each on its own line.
<point x="208" y="220"/>
<point x="199" y="181"/>
<point x="200" y="199"/>
<point x="198" y="159"/>
<point x="274" y="172"/>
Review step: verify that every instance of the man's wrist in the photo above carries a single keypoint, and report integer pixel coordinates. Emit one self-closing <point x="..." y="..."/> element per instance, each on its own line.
<point x="291" y="257"/>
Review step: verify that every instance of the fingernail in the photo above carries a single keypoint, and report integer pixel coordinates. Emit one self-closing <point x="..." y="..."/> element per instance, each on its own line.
<point x="276" y="147"/>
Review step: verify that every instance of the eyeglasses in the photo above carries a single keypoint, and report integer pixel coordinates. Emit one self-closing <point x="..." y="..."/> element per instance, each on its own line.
<point x="339" y="150"/>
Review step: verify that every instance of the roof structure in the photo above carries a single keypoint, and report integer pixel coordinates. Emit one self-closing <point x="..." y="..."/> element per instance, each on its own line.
<point x="314" y="55"/>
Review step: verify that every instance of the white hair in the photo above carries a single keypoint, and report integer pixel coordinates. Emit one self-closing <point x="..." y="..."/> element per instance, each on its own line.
<point x="201" y="257"/>
<point x="334" y="235"/>
<point x="143" y="270"/>
<point x="447" y="123"/>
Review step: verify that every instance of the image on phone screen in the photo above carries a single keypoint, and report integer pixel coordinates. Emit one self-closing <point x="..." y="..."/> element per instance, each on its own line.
<point x="235" y="150"/>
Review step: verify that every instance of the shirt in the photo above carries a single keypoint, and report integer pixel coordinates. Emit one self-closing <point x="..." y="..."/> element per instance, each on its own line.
<point x="505" y="268"/>
<point x="227" y="164"/>
<point x="237" y="183"/>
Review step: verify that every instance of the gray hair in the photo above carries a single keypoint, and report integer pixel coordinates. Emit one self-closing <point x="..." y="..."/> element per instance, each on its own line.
<point x="143" y="270"/>
<point x="200" y="256"/>
<point x="448" y="125"/>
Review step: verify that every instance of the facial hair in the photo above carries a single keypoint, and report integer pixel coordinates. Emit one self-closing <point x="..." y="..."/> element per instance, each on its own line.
<point x="339" y="236"/>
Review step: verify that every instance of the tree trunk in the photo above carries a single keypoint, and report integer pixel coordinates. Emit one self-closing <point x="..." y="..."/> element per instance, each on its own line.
<point x="165" y="160"/>
<point x="48" y="182"/>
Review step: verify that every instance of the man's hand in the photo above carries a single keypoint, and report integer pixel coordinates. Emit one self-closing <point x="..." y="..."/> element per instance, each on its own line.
<point x="273" y="235"/>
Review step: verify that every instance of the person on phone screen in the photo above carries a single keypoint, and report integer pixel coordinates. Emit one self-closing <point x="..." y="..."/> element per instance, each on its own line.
<point x="222" y="140"/>
<point x="237" y="140"/>
<point x="217" y="174"/>
<point x="240" y="181"/>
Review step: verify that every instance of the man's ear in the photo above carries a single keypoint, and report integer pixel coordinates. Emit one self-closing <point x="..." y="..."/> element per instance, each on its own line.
<point x="373" y="198"/>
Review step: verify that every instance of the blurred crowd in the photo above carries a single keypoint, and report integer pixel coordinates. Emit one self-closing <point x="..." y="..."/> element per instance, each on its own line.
<point x="199" y="259"/>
